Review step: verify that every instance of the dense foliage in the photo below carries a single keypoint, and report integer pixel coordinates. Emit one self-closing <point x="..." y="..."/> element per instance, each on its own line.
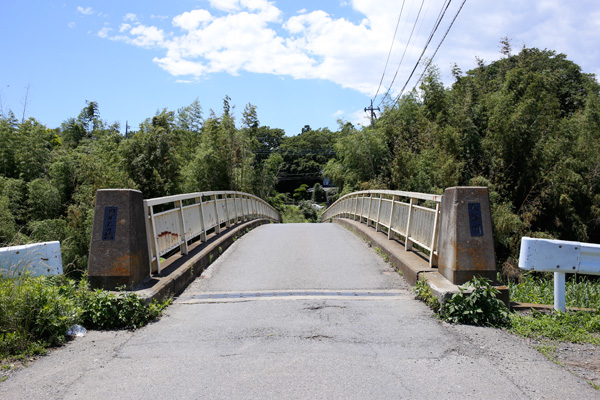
<point x="49" y="177"/>
<point x="527" y="126"/>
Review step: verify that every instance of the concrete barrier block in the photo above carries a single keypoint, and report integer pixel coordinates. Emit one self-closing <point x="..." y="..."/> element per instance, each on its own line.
<point x="36" y="258"/>
<point x="118" y="250"/>
<point x="466" y="242"/>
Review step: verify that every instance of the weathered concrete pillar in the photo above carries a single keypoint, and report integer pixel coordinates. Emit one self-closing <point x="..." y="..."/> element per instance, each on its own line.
<point x="466" y="242"/>
<point x="118" y="249"/>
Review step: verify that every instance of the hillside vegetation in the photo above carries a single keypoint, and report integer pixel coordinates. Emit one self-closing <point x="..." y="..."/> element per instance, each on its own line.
<point x="527" y="126"/>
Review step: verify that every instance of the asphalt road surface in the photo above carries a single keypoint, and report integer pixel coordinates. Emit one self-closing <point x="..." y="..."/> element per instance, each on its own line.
<point x="297" y="311"/>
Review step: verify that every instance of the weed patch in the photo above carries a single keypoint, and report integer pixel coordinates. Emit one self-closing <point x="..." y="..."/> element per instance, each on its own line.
<point x="476" y="304"/>
<point x="574" y="327"/>
<point x="423" y="292"/>
<point x="35" y="313"/>
<point x="580" y="291"/>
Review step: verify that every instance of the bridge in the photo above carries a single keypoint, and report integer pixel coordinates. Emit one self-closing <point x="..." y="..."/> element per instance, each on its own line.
<point x="292" y="311"/>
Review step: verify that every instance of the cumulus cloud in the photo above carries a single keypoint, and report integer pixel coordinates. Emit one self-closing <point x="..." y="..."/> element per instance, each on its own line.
<point x="253" y="36"/>
<point x="192" y="19"/>
<point x="85" y="11"/>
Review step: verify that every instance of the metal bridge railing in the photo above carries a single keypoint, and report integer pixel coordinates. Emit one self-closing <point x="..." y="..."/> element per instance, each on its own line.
<point x="184" y="217"/>
<point x="414" y="216"/>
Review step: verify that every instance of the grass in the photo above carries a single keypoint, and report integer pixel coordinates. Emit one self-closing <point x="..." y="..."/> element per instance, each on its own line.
<point x="35" y="313"/>
<point x="570" y="326"/>
<point x="424" y="293"/>
<point x="580" y="291"/>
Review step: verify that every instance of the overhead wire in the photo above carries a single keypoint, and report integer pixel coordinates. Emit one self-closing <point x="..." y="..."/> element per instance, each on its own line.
<point x="403" y="54"/>
<point x="440" y="44"/>
<point x="390" y="52"/>
<point x="436" y="26"/>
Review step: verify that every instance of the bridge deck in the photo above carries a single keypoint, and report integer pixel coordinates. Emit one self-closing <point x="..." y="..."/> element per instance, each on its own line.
<point x="298" y="311"/>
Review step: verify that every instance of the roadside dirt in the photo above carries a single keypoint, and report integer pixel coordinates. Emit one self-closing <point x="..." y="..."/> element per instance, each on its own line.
<point x="582" y="360"/>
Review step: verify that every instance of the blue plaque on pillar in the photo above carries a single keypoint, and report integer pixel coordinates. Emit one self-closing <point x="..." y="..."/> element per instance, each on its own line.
<point x="475" y="220"/>
<point x="109" y="228"/>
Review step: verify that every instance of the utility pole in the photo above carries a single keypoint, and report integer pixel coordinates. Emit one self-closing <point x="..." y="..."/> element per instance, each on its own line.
<point x="372" y="112"/>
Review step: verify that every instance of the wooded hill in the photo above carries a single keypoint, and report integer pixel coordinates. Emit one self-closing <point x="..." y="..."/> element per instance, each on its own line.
<point x="527" y="126"/>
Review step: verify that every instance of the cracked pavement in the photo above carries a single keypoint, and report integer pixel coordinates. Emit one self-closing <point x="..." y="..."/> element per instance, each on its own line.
<point x="300" y="311"/>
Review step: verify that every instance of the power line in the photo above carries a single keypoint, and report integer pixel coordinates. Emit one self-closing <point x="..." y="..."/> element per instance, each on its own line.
<point x="440" y="17"/>
<point x="403" y="54"/>
<point x="440" y="44"/>
<point x="436" y="26"/>
<point x="390" y="52"/>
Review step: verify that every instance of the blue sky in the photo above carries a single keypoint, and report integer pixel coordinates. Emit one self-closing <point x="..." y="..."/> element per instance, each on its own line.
<point x="299" y="62"/>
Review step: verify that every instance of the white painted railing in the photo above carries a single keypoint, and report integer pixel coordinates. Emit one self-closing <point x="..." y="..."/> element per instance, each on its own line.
<point x="399" y="212"/>
<point x="187" y="216"/>
<point x="560" y="257"/>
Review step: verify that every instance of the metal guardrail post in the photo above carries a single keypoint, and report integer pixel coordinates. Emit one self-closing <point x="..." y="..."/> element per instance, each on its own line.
<point x="408" y="244"/>
<point x="156" y="261"/>
<point x="433" y="257"/>
<point x="227" y="213"/>
<point x="377" y="225"/>
<point x="390" y="232"/>
<point x="218" y="226"/>
<point x="183" y="248"/>
<point x="202" y="223"/>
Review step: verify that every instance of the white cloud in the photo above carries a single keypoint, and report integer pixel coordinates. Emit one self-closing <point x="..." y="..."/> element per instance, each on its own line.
<point x="71" y="24"/>
<point x="192" y="19"/>
<point x="359" y="118"/>
<point x="104" y="32"/>
<point x="85" y="11"/>
<point x="130" y="17"/>
<point x="252" y="36"/>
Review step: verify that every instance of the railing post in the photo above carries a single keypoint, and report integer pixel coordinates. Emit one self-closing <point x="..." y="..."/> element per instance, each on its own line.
<point x="151" y="243"/>
<point x="227" y="213"/>
<point x="378" y="212"/>
<point x="356" y="207"/>
<point x="218" y="226"/>
<point x="433" y="257"/>
<point x="237" y="216"/>
<point x="202" y="223"/>
<point x="183" y="248"/>
<point x="390" y="233"/>
<point x="370" y="206"/>
<point x="408" y="244"/>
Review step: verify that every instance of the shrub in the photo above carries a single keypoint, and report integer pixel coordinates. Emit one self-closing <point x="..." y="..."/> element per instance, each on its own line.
<point x="37" y="312"/>
<point x="106" y="310"/>
<point x="424" y="293"/>
<point x="33" y="315"/>
<point x="476" y="304"/>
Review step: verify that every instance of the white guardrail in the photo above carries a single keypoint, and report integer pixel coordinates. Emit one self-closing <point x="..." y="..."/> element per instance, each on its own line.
<point x="36" y="258"/>
<point x="560" y="257"/>
<point x="399" y="212"/>
<point x="184" y="217"/>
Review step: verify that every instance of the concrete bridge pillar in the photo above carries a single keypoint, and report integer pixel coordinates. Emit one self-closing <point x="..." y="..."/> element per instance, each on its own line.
<point x="118" y="249"/>
<point x="466" y="242"/>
